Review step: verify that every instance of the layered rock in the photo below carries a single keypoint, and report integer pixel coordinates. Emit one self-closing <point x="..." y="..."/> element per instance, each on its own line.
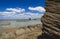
<point x="51" y="19"/>
<point x="27" y="32"/>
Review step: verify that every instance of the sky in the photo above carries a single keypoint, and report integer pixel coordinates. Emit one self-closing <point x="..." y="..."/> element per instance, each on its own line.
<point x="21" y="9"/>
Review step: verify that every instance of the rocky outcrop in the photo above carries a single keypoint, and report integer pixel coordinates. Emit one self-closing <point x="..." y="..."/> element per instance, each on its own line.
<point x="27" y="32"/>
<point x="51" y="19"/>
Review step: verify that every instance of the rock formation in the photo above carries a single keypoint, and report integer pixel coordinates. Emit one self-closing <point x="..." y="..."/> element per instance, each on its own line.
<point x="51" y="19"/>
<point x="27" y="32"/>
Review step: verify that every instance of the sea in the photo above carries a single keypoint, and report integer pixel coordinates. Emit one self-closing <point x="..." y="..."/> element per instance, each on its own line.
<point x="17" y="23"/>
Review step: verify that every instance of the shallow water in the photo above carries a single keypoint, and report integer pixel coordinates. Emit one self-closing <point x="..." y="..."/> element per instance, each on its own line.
<point x="19" y="23"/>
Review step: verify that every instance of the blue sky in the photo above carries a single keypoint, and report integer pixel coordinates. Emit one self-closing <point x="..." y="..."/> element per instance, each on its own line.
<point x="21" y="9"/>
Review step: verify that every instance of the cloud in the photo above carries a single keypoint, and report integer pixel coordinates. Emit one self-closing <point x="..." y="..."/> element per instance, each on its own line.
<point x="15" y="9"/>
<point x="34" y="15"/>
<point x="18" y="13"/>
<point x="24" y="15"/>
<point x="12" y="11"/>
<point x="39" y="8"/>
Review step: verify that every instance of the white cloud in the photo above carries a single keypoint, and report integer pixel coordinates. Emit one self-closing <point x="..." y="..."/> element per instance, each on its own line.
<point x="6" y="13"/>
<point x="15" y="9"/>
<point x="40" y="9"/>
<point x="34" y="15"/>
<point x="12" y="13"/>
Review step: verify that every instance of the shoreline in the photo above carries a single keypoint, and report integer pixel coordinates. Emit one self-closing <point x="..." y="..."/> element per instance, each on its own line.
<point x="3" y="27"/>
<point x="16" y="27"/>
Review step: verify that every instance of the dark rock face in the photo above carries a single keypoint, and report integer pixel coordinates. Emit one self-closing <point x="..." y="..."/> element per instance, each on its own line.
<point x="51" y="19"/>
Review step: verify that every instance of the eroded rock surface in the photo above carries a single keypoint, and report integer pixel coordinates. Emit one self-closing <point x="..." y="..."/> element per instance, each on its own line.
<point x="51" y="19"/>
<point x="27" y="32"/>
